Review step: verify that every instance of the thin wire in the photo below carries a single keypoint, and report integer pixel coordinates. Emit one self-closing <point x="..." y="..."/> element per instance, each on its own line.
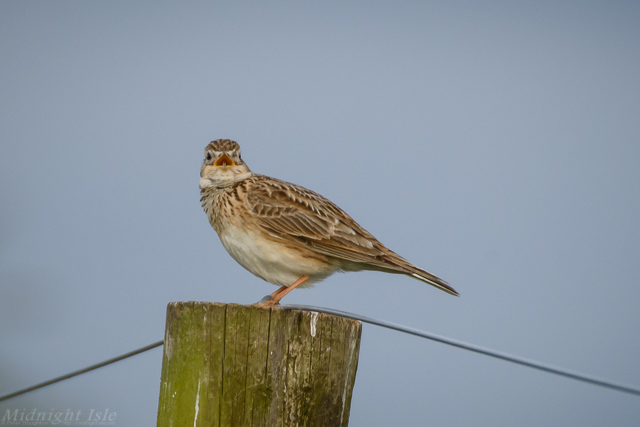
<point x="476" y="349"/>
<point x="82" y="371"/>
<point x="405" y="329"/>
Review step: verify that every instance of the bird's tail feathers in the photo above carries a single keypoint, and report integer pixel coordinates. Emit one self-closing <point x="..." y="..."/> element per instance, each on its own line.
<point x="433" y="281"/>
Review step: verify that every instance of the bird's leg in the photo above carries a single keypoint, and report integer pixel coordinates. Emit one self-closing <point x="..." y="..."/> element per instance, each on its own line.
<point x="289" y="288"/>
<point x="280" y="293"/>
<point x="272" y="295"/>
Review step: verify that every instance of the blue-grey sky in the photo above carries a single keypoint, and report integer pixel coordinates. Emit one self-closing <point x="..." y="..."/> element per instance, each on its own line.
<point x="495" y="144"/>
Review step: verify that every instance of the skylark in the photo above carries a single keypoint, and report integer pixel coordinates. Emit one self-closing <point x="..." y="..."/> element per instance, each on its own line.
<point x="284" y="233"/>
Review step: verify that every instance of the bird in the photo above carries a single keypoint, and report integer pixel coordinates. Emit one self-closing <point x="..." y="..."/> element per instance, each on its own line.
<point x="286" y="234"/>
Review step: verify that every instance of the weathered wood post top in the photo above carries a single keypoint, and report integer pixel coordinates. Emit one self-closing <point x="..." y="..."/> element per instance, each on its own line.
<point x="235" y="365"/>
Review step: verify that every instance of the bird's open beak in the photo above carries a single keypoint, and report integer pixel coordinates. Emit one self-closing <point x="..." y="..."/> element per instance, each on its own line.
<point x="224" y="160"/>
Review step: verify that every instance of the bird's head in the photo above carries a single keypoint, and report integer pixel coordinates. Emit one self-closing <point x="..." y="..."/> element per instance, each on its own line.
<point x="222" y="165"/>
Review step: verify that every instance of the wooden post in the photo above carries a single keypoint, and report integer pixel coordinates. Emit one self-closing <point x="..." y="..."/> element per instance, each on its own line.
<point x="233" y="365"/>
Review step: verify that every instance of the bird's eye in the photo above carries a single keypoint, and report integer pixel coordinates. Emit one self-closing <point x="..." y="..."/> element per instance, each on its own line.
<point x="208" y="156"/>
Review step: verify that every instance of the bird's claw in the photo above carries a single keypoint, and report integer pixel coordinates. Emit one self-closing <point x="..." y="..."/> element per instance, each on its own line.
<point x="267" y="301"/>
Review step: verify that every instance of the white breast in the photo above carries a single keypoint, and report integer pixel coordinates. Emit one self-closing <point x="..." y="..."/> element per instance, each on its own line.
<point x="273" y="262"/>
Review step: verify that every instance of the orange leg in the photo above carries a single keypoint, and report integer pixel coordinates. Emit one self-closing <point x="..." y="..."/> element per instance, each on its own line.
<point x="275" y="297"/>
<point x="277" y="291"/>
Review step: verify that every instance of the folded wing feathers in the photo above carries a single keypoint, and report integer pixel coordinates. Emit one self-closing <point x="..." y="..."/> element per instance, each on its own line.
<point x="325" y="228"/>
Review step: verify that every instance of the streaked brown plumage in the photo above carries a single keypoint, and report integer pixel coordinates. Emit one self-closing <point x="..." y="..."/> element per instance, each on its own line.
<point x="285" y="233"/>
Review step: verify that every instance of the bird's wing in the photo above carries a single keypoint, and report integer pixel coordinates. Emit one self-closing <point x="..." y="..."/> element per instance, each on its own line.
<point x="301" y="216"/>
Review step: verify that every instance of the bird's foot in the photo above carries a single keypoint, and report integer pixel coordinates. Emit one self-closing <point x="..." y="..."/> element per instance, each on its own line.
<point x="267" y="301"/>
<point x="274" y="298"/>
